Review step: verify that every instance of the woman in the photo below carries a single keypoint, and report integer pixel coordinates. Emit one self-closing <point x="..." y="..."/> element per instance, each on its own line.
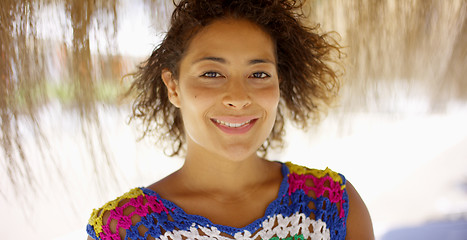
<point x="216" y="88"/>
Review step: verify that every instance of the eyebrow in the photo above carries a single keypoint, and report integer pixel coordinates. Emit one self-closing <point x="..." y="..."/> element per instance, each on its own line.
<point x="222" y="60"/>
<point x="256" y="61"/>
<point x="214" y="59"/>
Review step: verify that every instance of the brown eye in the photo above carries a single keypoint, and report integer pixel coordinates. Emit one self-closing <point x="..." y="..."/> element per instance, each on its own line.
<point x="260" y="75"/>
<point x="211" y="75"/>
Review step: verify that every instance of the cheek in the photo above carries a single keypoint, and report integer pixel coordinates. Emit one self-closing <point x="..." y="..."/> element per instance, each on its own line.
<point x="196" y="100"/>
<point x="269" y="99"/>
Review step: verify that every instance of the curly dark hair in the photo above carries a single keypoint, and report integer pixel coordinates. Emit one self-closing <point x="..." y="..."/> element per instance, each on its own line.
<point x="305" y="63"/>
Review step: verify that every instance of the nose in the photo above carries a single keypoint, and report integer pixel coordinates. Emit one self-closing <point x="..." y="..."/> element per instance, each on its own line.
<point x="237" y="95"/>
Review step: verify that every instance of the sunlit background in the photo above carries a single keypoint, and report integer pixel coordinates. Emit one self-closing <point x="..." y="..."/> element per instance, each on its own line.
<point x="399" y="133"/>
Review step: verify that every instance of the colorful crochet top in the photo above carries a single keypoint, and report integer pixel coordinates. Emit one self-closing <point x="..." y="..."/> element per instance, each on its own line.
<point x="292" y="215"/>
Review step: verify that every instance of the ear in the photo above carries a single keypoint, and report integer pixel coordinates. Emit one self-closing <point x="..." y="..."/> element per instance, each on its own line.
<point x="172" y="87"/>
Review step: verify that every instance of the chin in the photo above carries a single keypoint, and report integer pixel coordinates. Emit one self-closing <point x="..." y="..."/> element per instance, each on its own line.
<point x="238" y="154"/>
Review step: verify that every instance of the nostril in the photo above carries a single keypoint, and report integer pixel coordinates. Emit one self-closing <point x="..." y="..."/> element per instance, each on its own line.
<point x="232" y="105"/>
<point x="240" y="105"/>
<point x="236" y="101"/>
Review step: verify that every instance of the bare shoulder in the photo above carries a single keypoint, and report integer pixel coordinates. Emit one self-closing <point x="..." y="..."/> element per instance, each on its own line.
<point x="359" y="224"/>
<point x="168" y="187"/>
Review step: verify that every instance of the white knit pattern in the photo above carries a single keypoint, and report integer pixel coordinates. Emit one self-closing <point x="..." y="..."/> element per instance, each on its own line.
<point x="276" y="226"/>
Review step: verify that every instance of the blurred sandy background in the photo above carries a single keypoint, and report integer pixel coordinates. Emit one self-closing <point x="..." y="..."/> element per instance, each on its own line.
<point x="399" y="134"/>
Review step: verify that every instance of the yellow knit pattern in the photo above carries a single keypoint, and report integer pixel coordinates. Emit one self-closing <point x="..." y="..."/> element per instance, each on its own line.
<point x="96" y="219"/>
<point x="301" y="170"/>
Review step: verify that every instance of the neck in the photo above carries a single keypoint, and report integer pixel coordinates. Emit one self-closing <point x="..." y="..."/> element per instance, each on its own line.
<point x="216" y="175"/>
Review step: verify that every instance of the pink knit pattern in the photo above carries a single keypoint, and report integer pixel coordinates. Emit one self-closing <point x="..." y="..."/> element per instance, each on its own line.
<point x="297" y="182"/>
<point x="141" y="208"/>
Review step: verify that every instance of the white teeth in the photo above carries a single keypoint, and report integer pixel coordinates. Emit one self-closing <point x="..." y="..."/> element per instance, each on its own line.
<point x="232" y="125"/>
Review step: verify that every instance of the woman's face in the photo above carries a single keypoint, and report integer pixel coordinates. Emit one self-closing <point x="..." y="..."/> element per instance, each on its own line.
<point x="227" y="90"/>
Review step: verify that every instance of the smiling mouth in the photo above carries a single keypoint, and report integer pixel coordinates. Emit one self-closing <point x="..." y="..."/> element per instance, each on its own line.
<point x="235" y="125"/>
<point x="232" y="125"/>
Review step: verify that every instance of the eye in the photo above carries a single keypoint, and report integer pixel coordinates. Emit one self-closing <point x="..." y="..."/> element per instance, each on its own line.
<point x="260" y="75"/>
<point x="211" y="75"/>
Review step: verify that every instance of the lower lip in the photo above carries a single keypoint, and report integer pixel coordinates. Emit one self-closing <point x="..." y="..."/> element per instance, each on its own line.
<point x="236" y="130"/>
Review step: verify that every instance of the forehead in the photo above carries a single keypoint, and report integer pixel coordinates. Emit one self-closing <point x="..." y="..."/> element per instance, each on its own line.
<point x="236" y="38"/>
